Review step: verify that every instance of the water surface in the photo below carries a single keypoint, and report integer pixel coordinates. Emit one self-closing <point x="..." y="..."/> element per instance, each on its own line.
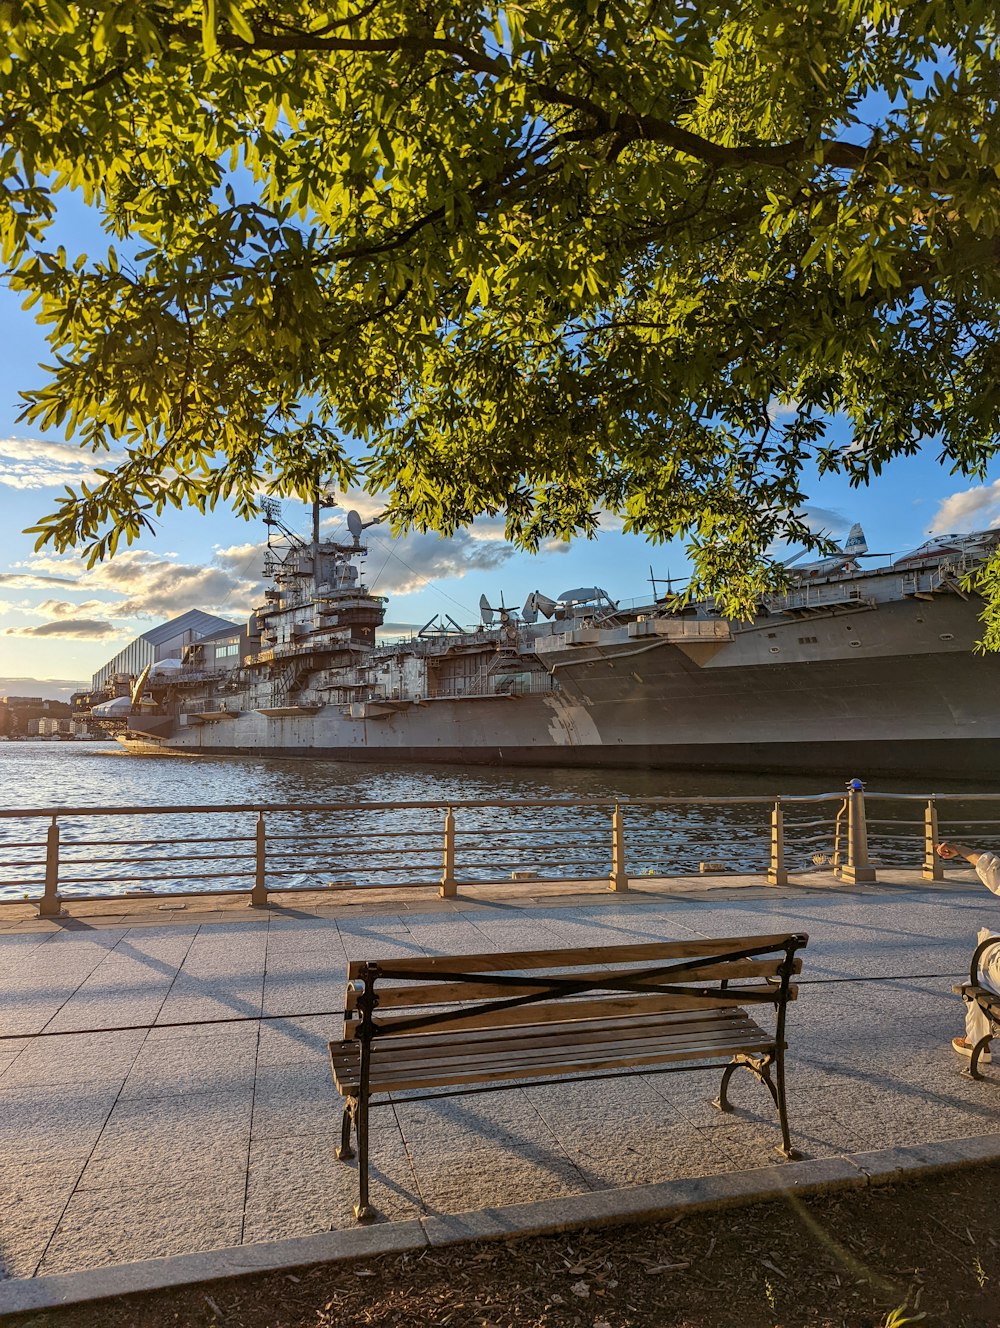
<point x="350" y="846"/>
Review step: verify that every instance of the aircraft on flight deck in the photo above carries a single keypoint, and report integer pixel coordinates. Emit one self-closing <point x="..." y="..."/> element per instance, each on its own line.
<point x="845" y="561"/>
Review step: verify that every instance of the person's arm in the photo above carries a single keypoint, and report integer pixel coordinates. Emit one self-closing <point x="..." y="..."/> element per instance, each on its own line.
<point x="950" y="848"/>
<point x="987" y="864"/>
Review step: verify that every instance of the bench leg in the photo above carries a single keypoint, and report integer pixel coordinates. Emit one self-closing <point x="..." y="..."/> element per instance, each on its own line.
<point x="981" y="1046"/>
<point x="363" y="1210"/>
<point x="345" y="1151"/>
<point x="721" y="1103"/>
<point x="760" y="1068"/>
<point x="779" y="1102"/>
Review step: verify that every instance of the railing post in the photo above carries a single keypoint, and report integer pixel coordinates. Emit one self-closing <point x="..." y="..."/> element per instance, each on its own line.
<point x="449" y="887"/>
<point x="618" y="879"/>
<point x="776" y="873"/>
<point x="50" y="905"/>
<point x="857" y="868"/>
<point x="933" y="866"/>
<point x="258" y="895"/>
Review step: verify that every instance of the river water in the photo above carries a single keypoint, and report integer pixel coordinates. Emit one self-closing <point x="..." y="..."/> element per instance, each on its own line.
<point x="354" y="846"/>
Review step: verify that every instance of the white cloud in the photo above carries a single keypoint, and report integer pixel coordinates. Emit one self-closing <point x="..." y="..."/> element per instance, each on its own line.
<point x="405" y="565"/>
<point x="402" y="566"/>
<point x="159" y="587"/>
<point x="57" y="610"/>
<point x="33" y="581"/>
<point x="33" y="463"/>
<point x="86" y="629"/>
<point x="138" y="583"/>
<point x="977" y="508"/>
<point x="824" y="520"/>
<point x="777" y="409"/>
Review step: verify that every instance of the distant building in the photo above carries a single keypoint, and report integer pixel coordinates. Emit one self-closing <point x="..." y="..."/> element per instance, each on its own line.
<point x="48" y="726"/>
<point x="171" y="640"/>
<point x="220" y="650"/>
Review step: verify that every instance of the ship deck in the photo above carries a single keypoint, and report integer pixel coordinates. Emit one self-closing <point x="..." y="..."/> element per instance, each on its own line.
<point x="176" y="1134"/>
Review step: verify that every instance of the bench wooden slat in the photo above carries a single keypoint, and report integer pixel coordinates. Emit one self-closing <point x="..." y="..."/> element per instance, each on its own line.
<point x="486" y="1055"/>
<point x="550" y="1034"/>
<point x="391" y="998"/>
<point x="560" y="1011"/>
<point x="415" y="1051"/>
<point x="554" y="959"/>
<point x="388" y="1080"/>
<point x="499" y="962"/>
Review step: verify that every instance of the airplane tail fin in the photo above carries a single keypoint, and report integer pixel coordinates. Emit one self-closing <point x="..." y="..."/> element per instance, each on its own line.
<point x="856" y="544"/>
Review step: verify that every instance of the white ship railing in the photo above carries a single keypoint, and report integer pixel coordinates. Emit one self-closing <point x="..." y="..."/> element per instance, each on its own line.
<point x="57" y="856"/>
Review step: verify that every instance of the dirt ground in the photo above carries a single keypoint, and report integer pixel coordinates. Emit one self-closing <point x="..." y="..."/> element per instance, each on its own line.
<point x="926" y="1252"/>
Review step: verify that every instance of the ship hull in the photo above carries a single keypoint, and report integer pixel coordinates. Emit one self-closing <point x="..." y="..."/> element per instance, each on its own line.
<point x="889" y="685"/>
<point x="840" y="760"/>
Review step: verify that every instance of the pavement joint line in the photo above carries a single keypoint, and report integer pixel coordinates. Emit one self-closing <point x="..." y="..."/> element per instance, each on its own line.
<point x="596" y="1208"/>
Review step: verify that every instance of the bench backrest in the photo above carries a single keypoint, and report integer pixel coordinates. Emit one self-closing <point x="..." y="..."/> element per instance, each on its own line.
<point x="440" y="992"/>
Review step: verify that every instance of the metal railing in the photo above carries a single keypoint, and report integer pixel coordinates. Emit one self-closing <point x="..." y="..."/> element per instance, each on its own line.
<point x="51" y="856"/>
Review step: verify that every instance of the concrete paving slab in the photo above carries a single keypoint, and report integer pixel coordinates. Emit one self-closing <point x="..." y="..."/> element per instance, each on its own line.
<point x="91" y="1057"/>
<point x="96" y="1227"/>
<point x="194" y="1000"/>
<point x="46" y="1121"/>
<point x="33" y="1196"/>
<point x="183" y="1170"/>
<point x="227" y="1075"/>
<point x="623" y="1132"/>
<point x="292" y="1100"/>
<point x="471" y="1178"/>
<point x="301" y="995"/>
<point x="296" y="1186"/>
<point x="284" y="1041"/>
<point x="161" y="1130"/>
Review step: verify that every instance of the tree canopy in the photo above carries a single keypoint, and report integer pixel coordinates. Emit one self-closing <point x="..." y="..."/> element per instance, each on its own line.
<point x="543" y="259"/>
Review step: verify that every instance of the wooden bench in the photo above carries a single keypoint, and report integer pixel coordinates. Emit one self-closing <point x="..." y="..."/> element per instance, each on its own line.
<point x="986" y="998"/>
<point x="464" y="1022"/>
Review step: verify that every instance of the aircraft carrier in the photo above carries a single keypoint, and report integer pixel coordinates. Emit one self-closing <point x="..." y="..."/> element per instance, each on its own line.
<point x="850" y="671"/>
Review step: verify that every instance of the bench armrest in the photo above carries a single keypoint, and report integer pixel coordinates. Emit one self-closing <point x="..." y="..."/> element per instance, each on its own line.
<point x="984" y="996"/>
<point x="978" y="956"/>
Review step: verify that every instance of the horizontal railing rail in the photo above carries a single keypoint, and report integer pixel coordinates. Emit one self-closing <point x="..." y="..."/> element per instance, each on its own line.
<point x="270" y="849"/>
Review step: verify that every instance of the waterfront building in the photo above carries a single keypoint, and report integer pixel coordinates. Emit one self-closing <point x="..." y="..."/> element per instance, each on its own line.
<point x="171" y="640"/>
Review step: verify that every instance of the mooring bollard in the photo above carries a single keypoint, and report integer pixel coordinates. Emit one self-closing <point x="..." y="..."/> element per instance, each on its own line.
<point x="618" y="879"/>
<point x="449" y="886"/>
<point x="258" y="895"/>
<point x="857" y="868"/>
<point x="776" y="873"/>
<point x="933" y="866"/>
<point x="50" y="905"/>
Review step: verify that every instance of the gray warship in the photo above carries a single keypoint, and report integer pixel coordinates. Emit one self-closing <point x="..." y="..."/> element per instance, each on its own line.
<point x="850" y="670"/>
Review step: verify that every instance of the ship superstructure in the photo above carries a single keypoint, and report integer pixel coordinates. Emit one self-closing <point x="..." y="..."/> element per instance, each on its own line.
<point x="849" y="670"/>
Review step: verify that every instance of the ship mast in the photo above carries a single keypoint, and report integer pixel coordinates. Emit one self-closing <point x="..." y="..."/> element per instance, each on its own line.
<point x="323" y="498"/>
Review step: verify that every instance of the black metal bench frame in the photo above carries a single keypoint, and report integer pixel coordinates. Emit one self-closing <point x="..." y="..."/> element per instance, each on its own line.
<point x="366" y="1028"/>
<point x="986" y="998"/>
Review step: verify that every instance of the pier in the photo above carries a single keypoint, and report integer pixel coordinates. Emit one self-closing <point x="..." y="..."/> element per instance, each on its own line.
<point x="165" y="1087"/>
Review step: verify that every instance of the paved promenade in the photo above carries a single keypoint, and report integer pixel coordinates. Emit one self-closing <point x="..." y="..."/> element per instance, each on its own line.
<point x="157" y="1140"/>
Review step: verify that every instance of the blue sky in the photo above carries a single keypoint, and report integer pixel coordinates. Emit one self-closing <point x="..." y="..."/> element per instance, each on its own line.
<point x="60" y="622"/>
